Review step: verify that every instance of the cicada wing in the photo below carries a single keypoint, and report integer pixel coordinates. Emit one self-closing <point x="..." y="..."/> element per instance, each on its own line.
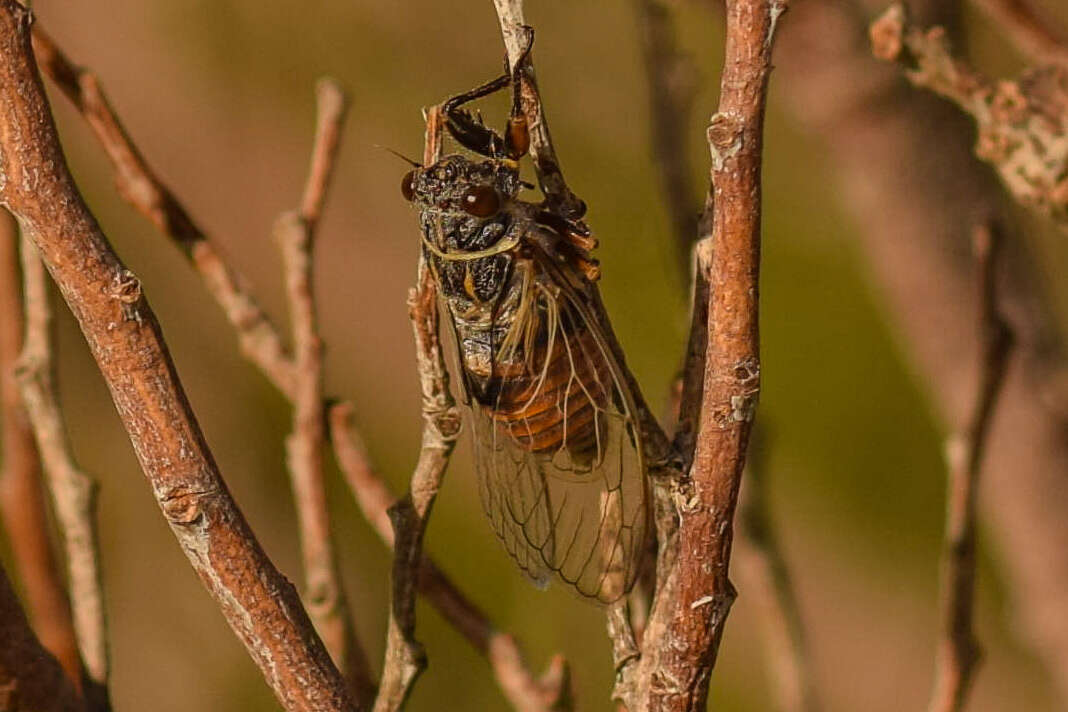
<point x="577" y="508"/>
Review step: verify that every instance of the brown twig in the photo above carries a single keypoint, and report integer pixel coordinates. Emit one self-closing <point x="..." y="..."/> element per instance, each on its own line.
<point x="1032" y="34"/>
<point x="405" y="658"/>
<point x="694" y="593"/>
<point x="126" y="341"/>
<point x="30" y="678"/>
<point x="1022" y="125"/>
<point x="958" y="650"/>
<point x="22" y="502"/>
<point x="671" y="78"/>
<point x="515" y="32"/>
<point x="73" y="491"/>
<point x="766" y="581"/>
<point x="525" y="692"/>
<point x="138" y="184"/>
<point x="295" y="233"/>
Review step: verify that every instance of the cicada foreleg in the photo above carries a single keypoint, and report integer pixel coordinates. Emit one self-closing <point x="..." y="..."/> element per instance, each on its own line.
<point x="472" y="134"/>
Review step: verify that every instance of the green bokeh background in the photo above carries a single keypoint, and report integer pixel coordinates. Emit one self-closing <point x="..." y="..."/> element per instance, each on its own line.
<point x="219" y="96"/>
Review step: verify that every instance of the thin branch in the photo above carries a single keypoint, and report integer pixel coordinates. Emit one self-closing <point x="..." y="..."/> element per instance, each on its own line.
<point x="22" y="502"/>
<point x="139" y="185"/>
<point x="30" y="678"/>
<point x="671" y="77"/>
<point x="766" y="581"/>
<point x="958" y="650"/>
<point x="1031" y="33"/>
<point x="694" y="593"/>
<point x="558" y="195"/>
<point x="125" y="339"/>
<point x="405" y="658"/>
<point x="525" y="692"/>
<point x="74" y="492"/>
<point x="295" y="233"/>
<point x="1022" y="125"/>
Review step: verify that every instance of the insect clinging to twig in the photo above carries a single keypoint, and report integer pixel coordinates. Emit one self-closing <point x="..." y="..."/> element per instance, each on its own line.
<point x="558" y="452"/>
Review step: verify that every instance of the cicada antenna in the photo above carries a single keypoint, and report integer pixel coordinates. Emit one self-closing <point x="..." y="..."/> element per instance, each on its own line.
<point x="398" y="154"/>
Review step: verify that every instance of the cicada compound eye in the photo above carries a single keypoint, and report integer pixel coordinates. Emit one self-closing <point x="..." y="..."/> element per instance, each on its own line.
<point x="481" y="201"/>
<point x="408" y="186"/>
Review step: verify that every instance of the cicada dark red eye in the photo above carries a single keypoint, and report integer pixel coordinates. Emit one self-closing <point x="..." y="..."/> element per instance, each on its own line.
<point x="481" y="201"/>
<point x="408" y="186"/>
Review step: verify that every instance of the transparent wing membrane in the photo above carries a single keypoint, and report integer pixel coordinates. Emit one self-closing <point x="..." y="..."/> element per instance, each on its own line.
<point x="561" y="472"/>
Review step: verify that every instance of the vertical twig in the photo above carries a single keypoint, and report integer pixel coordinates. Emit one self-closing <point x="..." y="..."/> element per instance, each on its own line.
<point x="295" y="233"/>
<point x="524" y="691"/>
<point x="958" y="650"/>
<point x="766" y="580"/>
<point x="22" y="502"/>
<point x="550" y="176"/>
<point x="671" y="78"/>
<point x="126" y="341"/>
<point x="73" y="492"/>
<point x="30" y="678"/>
<point x="405" y="657"/>
<point x="695" y="594"/>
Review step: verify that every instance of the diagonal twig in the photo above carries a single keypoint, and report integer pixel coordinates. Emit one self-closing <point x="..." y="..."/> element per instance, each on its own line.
<point x="295" y="233"/>
<point x="22" y="501"/>
<point x="958" y="650"/>
<point x="139" y="185"/>
<point x="74" y="493"/>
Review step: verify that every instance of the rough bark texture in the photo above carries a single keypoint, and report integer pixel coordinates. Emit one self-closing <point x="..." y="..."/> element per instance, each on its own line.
<point x="694" y="593"/>
<point x="125" y="339"/>
<point x="906" y="174"/>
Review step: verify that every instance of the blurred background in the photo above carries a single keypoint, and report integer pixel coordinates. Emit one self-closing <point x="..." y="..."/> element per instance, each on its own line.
<point x="219" y="96"/>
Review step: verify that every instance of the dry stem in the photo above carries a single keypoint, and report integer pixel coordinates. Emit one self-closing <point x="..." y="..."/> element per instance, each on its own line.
<point x="138" y="184"/>
<point x="766" y="581"/>
<point x="73" y="491"/>
<point x="1022" y="125"/>
<point x="550" y="176"/>
<point x="30" y="678"/>
<point x="958" y="651"/>
<point x="694" y="593"/>
<point x="295" y="233"/>
<point x="405" y="658"/>
<point x="523" y="690"/>
<point x="126" y="341"/>
<point x="22" y="502"/>
<point x="1031" y="33"/>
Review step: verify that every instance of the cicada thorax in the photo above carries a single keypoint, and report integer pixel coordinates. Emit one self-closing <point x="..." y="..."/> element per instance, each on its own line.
<point x="531" y="364"/>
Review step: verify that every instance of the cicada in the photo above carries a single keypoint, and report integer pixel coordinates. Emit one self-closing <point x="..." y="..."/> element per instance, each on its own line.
<point x="558" y="452"/>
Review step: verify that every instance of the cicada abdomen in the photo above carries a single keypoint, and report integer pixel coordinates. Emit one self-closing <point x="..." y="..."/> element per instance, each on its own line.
<point x="557" y="448"/>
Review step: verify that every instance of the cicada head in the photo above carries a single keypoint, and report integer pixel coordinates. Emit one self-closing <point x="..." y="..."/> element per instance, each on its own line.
<point x="460" y="186"/>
